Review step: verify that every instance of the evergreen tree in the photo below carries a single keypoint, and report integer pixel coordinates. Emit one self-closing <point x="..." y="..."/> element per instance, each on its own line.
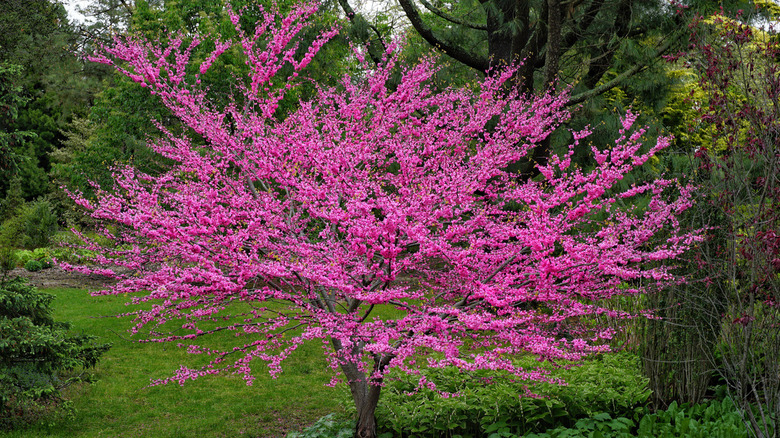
<point x="50" y="84"/>
<point x="37" y="354"/>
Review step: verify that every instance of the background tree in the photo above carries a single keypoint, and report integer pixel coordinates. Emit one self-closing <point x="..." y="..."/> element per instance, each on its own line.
<point x="121" y="118"/>
<point x="36" y="36"/>
<point x="609" y="51"/>
<point x="592" y="45"/>
<point x="12" y="140"/>
<point x="739" y="286"/>
<point x="378" y="193"/>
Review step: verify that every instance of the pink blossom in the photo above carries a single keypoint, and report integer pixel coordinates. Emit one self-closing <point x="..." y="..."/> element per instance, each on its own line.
<point x="369" y="196"/>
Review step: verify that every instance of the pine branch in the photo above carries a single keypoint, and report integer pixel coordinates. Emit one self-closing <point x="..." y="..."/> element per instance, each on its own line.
<point x="451" y="19"/>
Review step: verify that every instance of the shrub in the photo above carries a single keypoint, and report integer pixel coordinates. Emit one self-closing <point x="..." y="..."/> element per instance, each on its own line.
<point x="711" y="419"/>
<point x="329" y="426"/>
<point x="37" y="355"/>
<point x="33" y="265"/>
<point x="601" y="425"/>
<point x="43" y="255"/>
<point x="40" y="224"/>
<point x="23" y="256"/>
<point x="39" y="255"/>
<point x="609" y="383"/>
<point x="66" y="247"/>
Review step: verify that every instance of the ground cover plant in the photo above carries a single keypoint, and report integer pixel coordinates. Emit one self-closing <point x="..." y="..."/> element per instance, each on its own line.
<point x="378" y="194"/>
<point x="487" y="401"/>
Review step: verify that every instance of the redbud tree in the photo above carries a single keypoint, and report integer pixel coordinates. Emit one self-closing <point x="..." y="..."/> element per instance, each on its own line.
<point x="378" y="193"/>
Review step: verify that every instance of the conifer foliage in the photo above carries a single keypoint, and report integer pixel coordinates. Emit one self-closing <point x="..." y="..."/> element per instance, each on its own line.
<point x="38" y="357"/>
<point x="376" y="195"/>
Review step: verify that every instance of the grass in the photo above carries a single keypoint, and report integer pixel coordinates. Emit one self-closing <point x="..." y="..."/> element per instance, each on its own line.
<point x="120" y="403"/>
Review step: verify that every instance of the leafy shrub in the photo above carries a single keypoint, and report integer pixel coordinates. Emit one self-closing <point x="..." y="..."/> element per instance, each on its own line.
<point x="37" y="354"/>
<point x="329" y="426"/>
<point x="602" y="425"/>
<point x="40" y="224"/>
<point x="611" y="383"/>
<point x="42" y="256"/>
<point x="713" y="419"/>
<point x="11" y="237"/>
<point x="33" y="265"/>
<point x="66" y="248"/>
<point x="23" y="256"/>
<point x="487" y="404"/>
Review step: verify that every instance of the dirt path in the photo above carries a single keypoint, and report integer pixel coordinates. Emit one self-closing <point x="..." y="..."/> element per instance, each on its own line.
<point x="56" y="277"/>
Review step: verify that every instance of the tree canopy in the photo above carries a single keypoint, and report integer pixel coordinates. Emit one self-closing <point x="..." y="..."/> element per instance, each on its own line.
<point x="375" y="192"/>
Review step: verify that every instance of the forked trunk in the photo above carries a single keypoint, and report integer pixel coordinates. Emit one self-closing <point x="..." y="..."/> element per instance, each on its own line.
<point x="365" y="393"/>
<point x="365" y="389"/>
<point x="366" y="397"/>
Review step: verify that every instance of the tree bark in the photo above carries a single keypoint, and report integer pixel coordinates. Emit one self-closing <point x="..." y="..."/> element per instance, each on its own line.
<point x="366" y="398"/>
<point x="365" y="389"/>
<point x="553" y="54"/>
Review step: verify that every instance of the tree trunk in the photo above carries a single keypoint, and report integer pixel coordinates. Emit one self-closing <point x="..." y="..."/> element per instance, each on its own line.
<point x="509" y="39"/>
<point x="553" y="55"/>
<point x="365" y="394"/>
<point x="366" y="422"/>
<point x="365" y="389"/>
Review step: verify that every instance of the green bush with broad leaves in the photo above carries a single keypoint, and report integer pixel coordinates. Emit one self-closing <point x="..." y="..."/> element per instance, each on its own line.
<point x="38" y="357"/>
<point x="39" y="256"/>
<point x="711" y="419"/>
<point x="599" y="426"/>
<point x="33" y="265"/>
<point x="486" y="404"/>
<point x="329" y="426"/>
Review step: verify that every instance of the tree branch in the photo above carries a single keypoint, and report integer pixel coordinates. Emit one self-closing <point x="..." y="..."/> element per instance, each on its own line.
<point x="587" y="19"/>
<point x="458" y="53"/>
<point x="352" y="16"/>
<point x="626" y="74"/>
<point x="451" y="19"/>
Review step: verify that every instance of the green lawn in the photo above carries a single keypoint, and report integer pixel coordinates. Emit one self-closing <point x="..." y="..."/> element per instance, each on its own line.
<point x="120" y="404"/>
